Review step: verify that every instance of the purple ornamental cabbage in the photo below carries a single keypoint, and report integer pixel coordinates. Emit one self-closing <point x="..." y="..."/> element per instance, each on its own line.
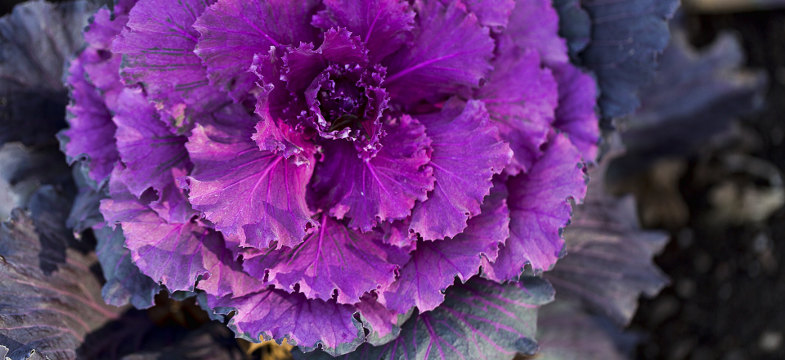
<point x="322" y="168"/>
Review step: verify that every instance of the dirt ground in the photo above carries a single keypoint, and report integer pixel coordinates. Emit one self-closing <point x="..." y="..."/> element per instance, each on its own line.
<point x="728" y="271"/>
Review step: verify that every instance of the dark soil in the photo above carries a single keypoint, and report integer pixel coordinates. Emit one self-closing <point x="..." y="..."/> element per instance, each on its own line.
<point x="727" y="293"/>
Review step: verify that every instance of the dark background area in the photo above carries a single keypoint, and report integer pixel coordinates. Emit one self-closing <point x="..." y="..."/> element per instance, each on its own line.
<point x="727" y="273"/>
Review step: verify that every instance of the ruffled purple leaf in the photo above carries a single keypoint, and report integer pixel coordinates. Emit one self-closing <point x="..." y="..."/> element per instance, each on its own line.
<point x="253" y="197"/>
<point x="336" y="259"/>
<point x="478" y="320"/>
<point x="101" y="66"/>
<point x="308" y="324"/>
<point x="91" y="135"/>
<point x="52" y="313"/>
<point x="281" y="138"/>
<point x="147" y="147"/>
<point x="435" y="264"/>
<point x="539" y="208"/>
<point x="534" y="24"/>
<point x="381" y="188"/>
<point x="576" y="115"/>
<point x="467" y="153"/>
<point x="383" y="25"/>
<point x="449" y="56"/>
<point x="225" y="275"/>
<point x="169" y="253"/>
<point x="157" y="46"/>
<point x="521" y="97"/>
<point x="233" y="31"/>
<point x="491" y="13"/>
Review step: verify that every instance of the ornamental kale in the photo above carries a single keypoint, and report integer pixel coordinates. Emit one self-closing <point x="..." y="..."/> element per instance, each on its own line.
<point x="324" y="168"/>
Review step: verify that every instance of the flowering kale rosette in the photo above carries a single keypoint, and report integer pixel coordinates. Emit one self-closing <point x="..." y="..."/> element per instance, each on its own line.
<point x="324" y="167"/>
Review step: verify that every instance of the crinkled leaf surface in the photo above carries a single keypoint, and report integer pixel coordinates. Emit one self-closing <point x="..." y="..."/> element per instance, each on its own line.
<point x="336" y="258"/>
<point x="467" y="152"/>
<point x="308" y="324"/>
<point x="49" y="313"/>
<point x="384" y="25"/>
<point x="148" y="149"/>
<point x="90" y="137"/>
<point x="521" y="97"/>
<point x="36" y="41"/>
<point x="253" y="197"/>
<point x="539" y="207"/>
<point x="435" y="264"/>
<point x="450" y="55"/>
<point x="169" y="253"/>
<point x="478" y="320"/>
<point x="609" y="257"/>
<point x="576" y="115"/>
<point x="157" y="45"/>
<point x="233" y="31"/>
<point x="381" y="188"/>
<point x="534" y="24"/>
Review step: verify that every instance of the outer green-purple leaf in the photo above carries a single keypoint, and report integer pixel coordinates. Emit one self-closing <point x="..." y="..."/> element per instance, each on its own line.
<point x="157" y="46"/>
<point x="47" y="313"/>
<point x="124" y="282"/>
<point x="695" y="96"/>
<point x="275" y="314"/>
<point x="380" y="188"/>
<point x="568" y="332"/>
<point x="435" y="264"/>
<point x="574" y="25"/>
<point x="383" y="324"/>
<point x="253" y="197"/>
<point x="450" y="55"/>
<point x="383" y="25"/>
<point x="23" y="170"/>
<point x="233" y="31"/>
<point x="521" y="97"/>
<point x="539" y="208"/>
<point x="36" y="41"/>
<point x="337" y="259"/>
<point x="626" y="37"/>
<point x="478" y="320"/>
<point x="466" y="154"/>
<point x="609" y="258"/>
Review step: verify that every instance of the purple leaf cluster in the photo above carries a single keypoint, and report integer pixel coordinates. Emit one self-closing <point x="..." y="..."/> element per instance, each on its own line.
<point x="323" y="168"/>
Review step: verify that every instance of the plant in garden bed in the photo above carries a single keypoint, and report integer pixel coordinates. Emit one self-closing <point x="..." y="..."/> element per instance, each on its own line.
<point x="362" y="177"/>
